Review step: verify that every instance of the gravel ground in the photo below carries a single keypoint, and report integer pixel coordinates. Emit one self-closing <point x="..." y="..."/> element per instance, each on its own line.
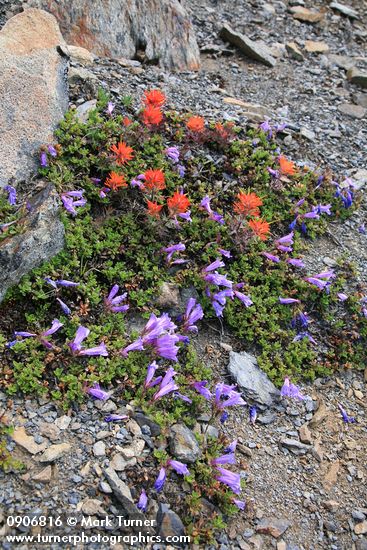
<point x="321" y="492"/>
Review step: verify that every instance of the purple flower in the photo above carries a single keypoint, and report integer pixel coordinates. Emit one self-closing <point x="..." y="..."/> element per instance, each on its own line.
<point x="362" y="229"/>
<point x="271" y="257"/>
<point x="232" y="480"/>
<point x="342" y="297"/>
<point x="241" y="504"/>
<point x="165" y="346"/>
<point x="178" y="395"/>
<point x="186" y="216"/>
<point x="296" y="262"/>
<point x="346" y="418"/>
<point x="300" y="319"/>
<point x="64" y="307"/>
<point x="284" y="244"/>
<point x="43" y="159"/>
<point x="317" y="282"/>
<point x="97" y="392"/>
<point x="205" y="204"/>
<point x="138" y="345"/>
<point x="246" y="300"/>
<point x="138" y="181"/>
<point x="115" y="417"/>
<point x="214" y="265"/>
<point x="223" y="417"/>
<point x="170" y="250"/>
<point x="288" y="301"/>
<point x="113" y="302"/>
<point x="303" y="335"/>
<point x="201" y="388"/>
<point x="311" y="215"/>
<point x="228" y="458"/>
<point x="56" y="325"/>
<point x="253" y="414"/>
<point x="194" y="312"/>
<point x="160" y="481"/>
<point x="181" y="170"/>
<point x="167" y="385"/>
<point x="225" y="396"/>
<point x="76" y="344"/>
<point x="323" y="209"/>
<point x="60" y="282"/>
<point x="69" y="202"/>
<point x="179" y="467"/>
<point x="291" y="390"/>
<point x="110" y="108"/>
<point x="12" y="194"/>
<point x="225" y="253"/>
<point x="266" y="128"/>
<point x="173" y="154"/>
<point x="149" y="382"/>
<point x="218" y="279"/>
<point x="231" y="447"/>
<point x="274" y="173"/>
<point x="143" y="501"/>
<point x="51" y="149"/>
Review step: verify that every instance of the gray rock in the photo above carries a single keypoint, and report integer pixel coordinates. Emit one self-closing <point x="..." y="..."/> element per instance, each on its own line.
<point x="169" y="296"/>
<point x="305" y="15"/>
<point x="258" y="51"/>
<point x="99" y="448"/>
<point x="55" y="452"/>
<point x="169" y="524"/>
<point x="119" y="463"/>
<point x="357" y="77"/>
<point x="345" y="10"/>
<point x="254" y="383"/>
<point x="144" y="420"/>
<point x="41" y="239"/>
<point x="354" y="111"/>
<point x="183" y="444"/>
<point x="294" y="51"/>
<point x="122" y="493"/>
<point x="83" y="110"/>
<point x="295" y="446"/>
<point x="156" y="30"/>
<point x="273" y="526"/>
<point x="33" y="90"/>
<point x="341" y="61"/>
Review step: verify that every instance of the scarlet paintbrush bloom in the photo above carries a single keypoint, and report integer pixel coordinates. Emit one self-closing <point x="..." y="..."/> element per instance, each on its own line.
<point x="154" y="209"/>
<point x="122" y="152"/>
<point x="261" y="228"/>
<point x="178" y="203"/>
<point x="115" y="181"/>
<point x="154" y="180"/>
<point x="126" y="121"/>
<point x="154" y="98"/>
<point x="287" y="167"/>
<point x="196" y="124"/>
<point x="152" y="116"/>
<point x="247" y="204"/>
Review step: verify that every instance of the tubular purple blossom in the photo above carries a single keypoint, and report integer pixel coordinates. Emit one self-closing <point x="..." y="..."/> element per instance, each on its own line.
<point x="115" y="417"/>
<point x="143" y="501"/>
<point x="228" y="458"/>
<point x="201" y="388"/>
<point x="97" y="392"/>
<point x="271" y="257"/>
<point x="179" y="467"/>
<point x="194" y="312"/>
<point x="232" y="480"/>
<point x="64" y="307"/>
<point x="347" y="419"/>
<point x="76" y="345"/>
<point x="288" y="301"/>
<point x="160" y="481"/>
<point x="113" y="303"/>
<point x="12" y="194"/>
<point x="253" y="414"/>
<point x="291" y="390"/>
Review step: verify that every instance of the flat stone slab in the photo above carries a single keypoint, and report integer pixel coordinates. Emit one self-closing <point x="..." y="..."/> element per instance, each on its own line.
<point x="253" y="382"/>
<point x="256" y="50"/>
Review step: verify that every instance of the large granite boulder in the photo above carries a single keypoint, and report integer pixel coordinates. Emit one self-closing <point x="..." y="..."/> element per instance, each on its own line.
<point x="41" y="238"/>
<point x="122" y="28"/>
<point x="33" y="90"/>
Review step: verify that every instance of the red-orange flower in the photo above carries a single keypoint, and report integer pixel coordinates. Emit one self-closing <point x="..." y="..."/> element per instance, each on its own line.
<point x="154" y="180"/>
<point x="247" y="204"/>
<point x="178" y="203"/>
<point x="126" y="121"/>
<point x="155" y="98"/>
<point x="122" y="152"/>
<point x="261" y="228"/>
<point x="224" y="130"/>
<point x="287" y="167"/>
<point x="154" y="209"/>
<point x="115" y="181"/>
<point x="152" y="116"/>
<point x="196" y="124"/>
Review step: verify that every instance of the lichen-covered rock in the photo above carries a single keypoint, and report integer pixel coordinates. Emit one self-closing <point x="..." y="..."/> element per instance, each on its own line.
<point x="33" y="90"/>
<point x="183" y="444"/>
<point x="160" y="30"/>
<point x="41" y="239"/>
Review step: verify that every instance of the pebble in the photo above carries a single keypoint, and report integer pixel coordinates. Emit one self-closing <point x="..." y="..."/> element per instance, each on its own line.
<point x="99" y="448"/>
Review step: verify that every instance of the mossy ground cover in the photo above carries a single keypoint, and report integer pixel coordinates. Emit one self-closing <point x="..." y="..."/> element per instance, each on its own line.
<point x="226" y="197"/>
